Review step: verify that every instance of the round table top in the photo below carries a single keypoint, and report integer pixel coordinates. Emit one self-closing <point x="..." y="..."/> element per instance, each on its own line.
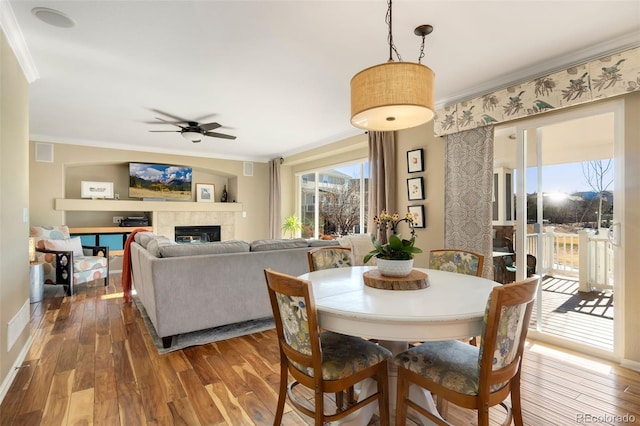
<point x="451" y="307"/>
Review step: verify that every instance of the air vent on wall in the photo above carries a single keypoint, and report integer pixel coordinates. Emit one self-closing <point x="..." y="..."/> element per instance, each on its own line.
<point x="44" y="152"/>
<point x="248" y="168"/>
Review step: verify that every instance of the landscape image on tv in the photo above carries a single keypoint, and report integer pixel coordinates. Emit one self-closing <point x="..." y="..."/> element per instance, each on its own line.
<point x="159" y="181"/>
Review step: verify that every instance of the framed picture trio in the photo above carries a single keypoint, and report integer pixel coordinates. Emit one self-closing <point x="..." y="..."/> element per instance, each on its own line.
<point x="415" y="186"/>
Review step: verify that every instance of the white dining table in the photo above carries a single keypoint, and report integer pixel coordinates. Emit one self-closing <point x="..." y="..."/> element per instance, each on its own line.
<point x="451" y="307"/>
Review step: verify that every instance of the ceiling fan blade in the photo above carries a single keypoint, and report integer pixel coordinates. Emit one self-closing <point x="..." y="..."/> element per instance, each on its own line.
<point x="172" y="131"/>
<point x="210" y="126"/>
<point x="219" y="135"/>
<point x="175" y="117"/>
<point x="204" y="117"/>
<point x="170" y="122"/>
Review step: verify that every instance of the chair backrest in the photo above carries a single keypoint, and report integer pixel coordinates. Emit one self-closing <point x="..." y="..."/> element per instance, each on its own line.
<point x="40" y="233"/>
<point x="460" y="261"/>
<point x="329" y="257"/>
<point x="296" y="322"/>
<point x="506" y="322"/>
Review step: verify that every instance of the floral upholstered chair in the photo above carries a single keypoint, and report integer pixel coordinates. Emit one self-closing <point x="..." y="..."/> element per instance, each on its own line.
<point x="460" y="261"/>
<point x="474" y="377"/>
<point x="322" y="362"/>
<point x="66" y="261"/>
<point x="329" y="257"/>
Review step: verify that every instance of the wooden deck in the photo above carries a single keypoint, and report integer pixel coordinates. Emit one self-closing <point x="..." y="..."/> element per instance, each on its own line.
<point x="585" y="318"/>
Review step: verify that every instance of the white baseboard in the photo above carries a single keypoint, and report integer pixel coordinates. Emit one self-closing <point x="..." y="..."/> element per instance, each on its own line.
<point x="632" y="365"/>
<point x="6" y="383"/>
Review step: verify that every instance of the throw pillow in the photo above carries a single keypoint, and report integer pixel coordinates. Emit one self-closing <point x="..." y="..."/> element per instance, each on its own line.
<point x="360" y="245"/>
<point x="68" y="244"/>
<point x="155" y="246"/>
<point x="143" y="238"/>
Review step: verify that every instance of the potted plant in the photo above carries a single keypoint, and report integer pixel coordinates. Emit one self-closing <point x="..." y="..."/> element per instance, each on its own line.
<point x="394" y="255"/>
<point x="292" y="225"/>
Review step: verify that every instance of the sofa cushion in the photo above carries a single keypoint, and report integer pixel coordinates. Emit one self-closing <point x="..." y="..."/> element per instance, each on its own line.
<point x="264" y="245"/>
<point x="323" y="243"/>
<point x="155" y="246"/>
<point x="68" y="244"/>
<point x="220" y="247"/>
<point x="143" y="238"/>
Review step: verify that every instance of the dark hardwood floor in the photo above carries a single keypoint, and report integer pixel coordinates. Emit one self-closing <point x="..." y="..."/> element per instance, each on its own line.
<point x="93" y="362"/>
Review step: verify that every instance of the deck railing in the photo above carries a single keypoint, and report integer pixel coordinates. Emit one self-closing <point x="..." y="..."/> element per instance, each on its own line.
<point x="586" y="255"/>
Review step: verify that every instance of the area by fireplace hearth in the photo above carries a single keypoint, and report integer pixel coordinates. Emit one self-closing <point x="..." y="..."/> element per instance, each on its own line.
<point x="197" y="234"/>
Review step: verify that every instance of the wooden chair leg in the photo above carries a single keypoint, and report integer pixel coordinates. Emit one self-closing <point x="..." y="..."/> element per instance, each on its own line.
<point x="340" y="401"/>
<point x="442" y="405"/>
<point x="383" y="387"/>
<point x="516" y="402"/>
<point x="282" y="394"/>
<point x="402" y="395"/>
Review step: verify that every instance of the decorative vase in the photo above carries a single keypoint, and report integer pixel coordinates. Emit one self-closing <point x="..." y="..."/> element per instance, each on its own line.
<point x="394" y="268"/>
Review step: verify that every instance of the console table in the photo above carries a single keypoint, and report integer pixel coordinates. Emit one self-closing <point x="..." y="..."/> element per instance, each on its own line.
<point x="112" y="236"/>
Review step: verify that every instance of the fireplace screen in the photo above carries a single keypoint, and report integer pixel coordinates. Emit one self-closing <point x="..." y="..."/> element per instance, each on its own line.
<point x="197" y="234"/>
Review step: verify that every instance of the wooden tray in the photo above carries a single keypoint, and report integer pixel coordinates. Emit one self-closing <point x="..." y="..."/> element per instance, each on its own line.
<point x="416" y="280"/>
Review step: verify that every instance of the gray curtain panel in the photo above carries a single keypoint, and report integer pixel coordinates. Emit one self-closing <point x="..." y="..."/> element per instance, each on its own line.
<point x="468" y="193"/>
<point x="382" y="175"/>
<point x="275" y="223"/>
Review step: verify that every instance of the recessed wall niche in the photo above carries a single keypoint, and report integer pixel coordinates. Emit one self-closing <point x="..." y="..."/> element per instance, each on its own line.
<point x="118" y="173"/>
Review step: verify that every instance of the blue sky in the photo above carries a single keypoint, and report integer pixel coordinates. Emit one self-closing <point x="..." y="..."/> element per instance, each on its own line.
<point x="565" y="178"/>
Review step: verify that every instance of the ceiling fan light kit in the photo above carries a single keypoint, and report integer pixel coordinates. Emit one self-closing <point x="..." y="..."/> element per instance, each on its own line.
<point x="194" y="137"/>
<point x="395" y="95"/>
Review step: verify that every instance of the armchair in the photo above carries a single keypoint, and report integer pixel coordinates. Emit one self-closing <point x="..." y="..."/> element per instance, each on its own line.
<point x="66" y="261"/>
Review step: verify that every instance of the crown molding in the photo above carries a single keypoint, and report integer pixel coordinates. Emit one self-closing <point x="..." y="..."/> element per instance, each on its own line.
<point x="541" y="69"/>
<point x="16" y="40"/>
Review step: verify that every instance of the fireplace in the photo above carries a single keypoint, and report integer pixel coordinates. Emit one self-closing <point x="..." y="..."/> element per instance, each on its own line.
<point x="197" y="234"/>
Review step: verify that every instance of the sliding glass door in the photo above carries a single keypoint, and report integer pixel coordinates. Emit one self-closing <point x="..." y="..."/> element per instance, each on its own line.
<point x="568" y="178"/>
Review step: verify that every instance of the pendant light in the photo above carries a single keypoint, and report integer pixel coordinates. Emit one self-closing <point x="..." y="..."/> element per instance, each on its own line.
<point x="393" y="95"/>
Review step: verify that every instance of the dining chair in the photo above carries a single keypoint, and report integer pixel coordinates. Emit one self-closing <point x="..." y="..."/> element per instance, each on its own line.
<point x="454" y="260"/>
<point x="323" y="362"/>
<point x="469" y="376"/>
<point x="329" y="257"/>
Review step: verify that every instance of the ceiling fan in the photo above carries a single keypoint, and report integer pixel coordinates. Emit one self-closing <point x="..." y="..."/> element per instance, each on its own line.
<point x="193" y="131"/>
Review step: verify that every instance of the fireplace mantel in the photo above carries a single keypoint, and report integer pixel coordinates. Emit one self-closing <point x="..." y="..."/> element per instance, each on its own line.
<point x="68" y="204"/>
<point x="165" y="214"/>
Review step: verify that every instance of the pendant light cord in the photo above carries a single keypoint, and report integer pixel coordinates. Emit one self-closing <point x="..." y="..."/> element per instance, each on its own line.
<point x="392" y="46"/>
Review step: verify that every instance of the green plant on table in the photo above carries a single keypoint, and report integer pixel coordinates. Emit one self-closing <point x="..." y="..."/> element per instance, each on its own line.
<point x="395" y="248"/>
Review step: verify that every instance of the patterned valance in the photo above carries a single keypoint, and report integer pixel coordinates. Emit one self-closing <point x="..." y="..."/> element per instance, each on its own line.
<point x="601" y="78"/>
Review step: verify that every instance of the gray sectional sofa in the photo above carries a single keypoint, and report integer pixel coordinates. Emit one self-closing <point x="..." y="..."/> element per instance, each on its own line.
<point x="190" y="287"/>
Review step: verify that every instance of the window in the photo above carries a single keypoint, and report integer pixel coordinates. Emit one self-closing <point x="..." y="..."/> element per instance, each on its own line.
<point x="337" y="204"/>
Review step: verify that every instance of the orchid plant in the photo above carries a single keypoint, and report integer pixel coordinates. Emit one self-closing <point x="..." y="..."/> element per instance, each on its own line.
<point x="395" y="248"/>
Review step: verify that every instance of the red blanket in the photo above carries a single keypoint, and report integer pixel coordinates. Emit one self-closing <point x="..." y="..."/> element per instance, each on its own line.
<point x="127" y="273"/>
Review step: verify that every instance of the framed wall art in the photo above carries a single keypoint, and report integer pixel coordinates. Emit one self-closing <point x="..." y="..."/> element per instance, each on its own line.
<point x="419" y="220"/>
<point x="205" y="192"/>
<point x="96" y="189"/>
<point x="415" y="188"/>
<point x="415" y="160"/>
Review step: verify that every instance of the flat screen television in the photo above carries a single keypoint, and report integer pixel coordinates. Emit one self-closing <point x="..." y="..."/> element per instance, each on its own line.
<point x="159" y="181"/>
